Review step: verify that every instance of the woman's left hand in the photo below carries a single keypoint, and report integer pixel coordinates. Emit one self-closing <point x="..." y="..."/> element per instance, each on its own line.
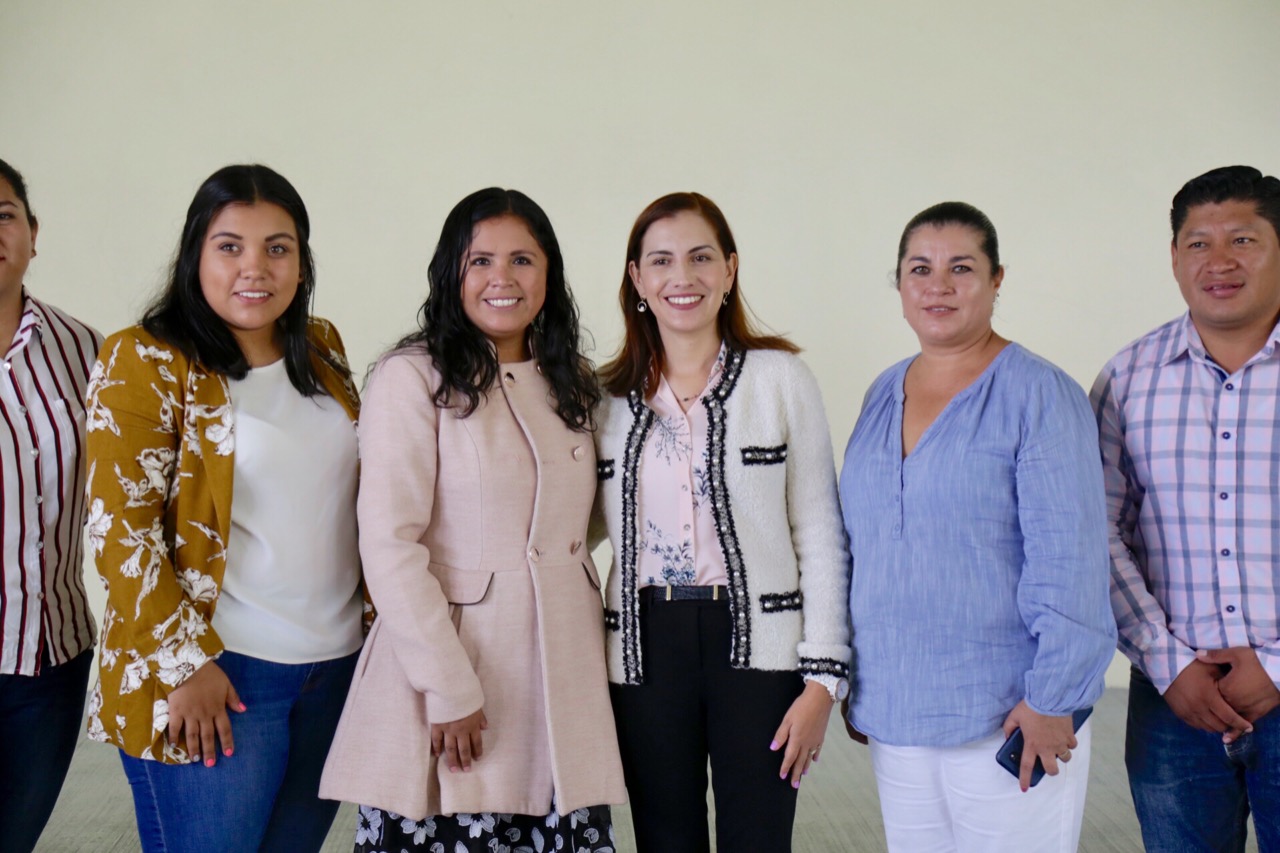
<point x="1050" y="739"/>
<point x="802" y="731"/>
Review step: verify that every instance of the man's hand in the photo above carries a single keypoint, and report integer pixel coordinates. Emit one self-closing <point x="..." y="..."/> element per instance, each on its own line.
<point x="1195" y="698"/>
<point x="1246" y="686"/>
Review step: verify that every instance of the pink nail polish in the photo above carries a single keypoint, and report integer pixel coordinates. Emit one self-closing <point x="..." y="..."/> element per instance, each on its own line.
<point x="208" y="762"/>
<point x="773" y="746"/>
<point x="796" y="784"/>
<point x="243" y="707"/>
<point x="227" y="752"/>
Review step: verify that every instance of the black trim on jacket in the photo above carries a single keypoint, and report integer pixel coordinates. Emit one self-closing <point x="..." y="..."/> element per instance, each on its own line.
<point x="722" y="513"/>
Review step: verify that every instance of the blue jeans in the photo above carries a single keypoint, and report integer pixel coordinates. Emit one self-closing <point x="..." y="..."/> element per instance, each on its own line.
<point x="265" y="796"/>
<point x="1193" y="794"/>
<point x="40" y="719"/>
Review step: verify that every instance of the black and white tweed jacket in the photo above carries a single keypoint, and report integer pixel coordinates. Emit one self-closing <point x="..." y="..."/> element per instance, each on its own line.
<point x="777" y="515"/>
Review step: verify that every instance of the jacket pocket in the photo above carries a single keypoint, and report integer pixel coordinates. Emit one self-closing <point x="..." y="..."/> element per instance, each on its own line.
<point x="775" y="455"/>
<point x="592" y="576"/>
<point x="460" y="585"/>
<point x="776" y="602"/>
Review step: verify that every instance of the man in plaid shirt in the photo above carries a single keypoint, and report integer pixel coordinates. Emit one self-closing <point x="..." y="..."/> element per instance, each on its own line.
<point x="1189" y="423"/>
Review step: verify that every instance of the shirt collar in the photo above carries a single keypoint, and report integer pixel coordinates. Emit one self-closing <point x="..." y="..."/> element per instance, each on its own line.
<point x="1186" y="342"/>
<point x="31" y="323"/>
<point x="668" y="396"/>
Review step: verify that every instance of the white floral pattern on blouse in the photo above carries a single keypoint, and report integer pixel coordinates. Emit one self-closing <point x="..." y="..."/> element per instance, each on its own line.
<point x="677" y="543"/>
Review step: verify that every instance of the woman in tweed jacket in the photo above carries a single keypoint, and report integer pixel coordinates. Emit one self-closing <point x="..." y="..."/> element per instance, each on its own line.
<point x="727" y="636"/>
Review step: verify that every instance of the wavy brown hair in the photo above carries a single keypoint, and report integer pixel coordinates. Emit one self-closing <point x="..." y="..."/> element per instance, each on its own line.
<point x="640" y="360"/>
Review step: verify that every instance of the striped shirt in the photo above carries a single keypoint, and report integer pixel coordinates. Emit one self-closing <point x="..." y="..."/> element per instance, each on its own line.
<point x="1192" y="466"/>
<point x="43" y="607"/>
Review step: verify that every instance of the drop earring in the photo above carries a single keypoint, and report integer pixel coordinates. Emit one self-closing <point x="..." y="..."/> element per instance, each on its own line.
<point x="725" y="301"/>
<point x="642" y="306"/>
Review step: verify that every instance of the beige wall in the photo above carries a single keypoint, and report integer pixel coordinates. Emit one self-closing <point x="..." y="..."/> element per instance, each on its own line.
<point x="820" y="128"/>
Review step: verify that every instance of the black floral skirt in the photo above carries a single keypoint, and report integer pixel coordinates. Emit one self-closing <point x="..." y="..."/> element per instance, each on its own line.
<point x="588" y="830"/>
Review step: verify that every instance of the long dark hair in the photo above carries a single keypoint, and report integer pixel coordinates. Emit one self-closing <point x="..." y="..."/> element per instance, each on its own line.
<point x="181" y="316"/>
<point x="640" y="360"/>
<point x="466" y="359"/>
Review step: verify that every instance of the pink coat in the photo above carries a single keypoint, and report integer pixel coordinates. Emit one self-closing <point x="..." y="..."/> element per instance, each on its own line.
<point x="472" y="534"/>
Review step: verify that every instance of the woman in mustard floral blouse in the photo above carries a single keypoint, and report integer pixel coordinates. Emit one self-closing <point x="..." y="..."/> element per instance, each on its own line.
<point x="222" y="485"/>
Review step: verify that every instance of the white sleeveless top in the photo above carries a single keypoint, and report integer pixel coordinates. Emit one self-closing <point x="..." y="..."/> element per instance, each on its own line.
<point x="291" y="592"/>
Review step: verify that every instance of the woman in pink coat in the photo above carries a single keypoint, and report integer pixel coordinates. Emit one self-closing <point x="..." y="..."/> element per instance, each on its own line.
<point x="479" y="711"/>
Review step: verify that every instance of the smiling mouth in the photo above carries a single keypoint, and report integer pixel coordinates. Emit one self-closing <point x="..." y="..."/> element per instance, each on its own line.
<point x="1223" y="288"/>
<point x="939" y="309"/>
<point x="505" y="302"/>
<point x="253" y="295"/>
<point x="684" y="301"/>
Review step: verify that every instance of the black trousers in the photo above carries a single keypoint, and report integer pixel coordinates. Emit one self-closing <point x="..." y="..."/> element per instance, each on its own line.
<point x="692" y="706"/>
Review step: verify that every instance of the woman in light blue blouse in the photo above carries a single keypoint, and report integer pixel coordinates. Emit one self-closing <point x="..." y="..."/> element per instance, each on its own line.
<point x="972" y="495"/>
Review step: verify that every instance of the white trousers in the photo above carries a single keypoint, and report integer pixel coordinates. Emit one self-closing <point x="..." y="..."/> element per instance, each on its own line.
<point x="959" y="800"/>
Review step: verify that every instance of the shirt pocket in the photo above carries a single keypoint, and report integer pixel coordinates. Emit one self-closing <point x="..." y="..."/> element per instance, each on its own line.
<point x="66" y="419"/>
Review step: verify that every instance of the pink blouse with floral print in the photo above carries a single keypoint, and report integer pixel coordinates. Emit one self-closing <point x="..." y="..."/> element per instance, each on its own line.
<point x="677" y="543"/>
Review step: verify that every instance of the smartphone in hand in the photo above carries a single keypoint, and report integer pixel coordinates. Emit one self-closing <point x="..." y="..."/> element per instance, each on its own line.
<point x="1009" y="756"/>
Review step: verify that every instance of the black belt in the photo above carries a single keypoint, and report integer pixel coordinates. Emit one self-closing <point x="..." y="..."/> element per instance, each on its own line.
<point x="718" y="592"/>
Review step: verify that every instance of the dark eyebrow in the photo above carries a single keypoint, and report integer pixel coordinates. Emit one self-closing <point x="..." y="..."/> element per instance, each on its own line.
<point x="283" y="235"/>
<point x="705" y="247"/>
<point x="914" y="258"/>
<point x="6" y="202"/>
<point x="958" y="258"/>
<point x="657" y="252"/>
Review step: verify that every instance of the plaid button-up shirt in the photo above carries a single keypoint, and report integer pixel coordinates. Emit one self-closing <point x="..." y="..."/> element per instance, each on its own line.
<point x="1192" y="467"/>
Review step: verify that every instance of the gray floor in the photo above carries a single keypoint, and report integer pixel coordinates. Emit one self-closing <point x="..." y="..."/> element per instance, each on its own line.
<point x="838" y="808"/>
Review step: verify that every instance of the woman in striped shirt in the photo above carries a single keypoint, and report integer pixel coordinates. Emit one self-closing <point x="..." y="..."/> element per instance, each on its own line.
<point x="46" y="645"/>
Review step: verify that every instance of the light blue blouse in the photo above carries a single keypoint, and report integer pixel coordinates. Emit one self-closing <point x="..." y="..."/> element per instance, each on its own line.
<point x="980" y="563"/>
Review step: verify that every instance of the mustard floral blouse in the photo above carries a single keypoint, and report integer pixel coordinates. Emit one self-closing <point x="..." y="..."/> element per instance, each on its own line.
<point x="160" y="447"/>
